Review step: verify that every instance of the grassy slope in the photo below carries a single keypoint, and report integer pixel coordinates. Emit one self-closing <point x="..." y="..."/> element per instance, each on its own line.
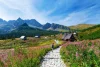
<point x="81" y="54"/>
<point x="90" y="33"/>
<point x="81" y="26"/>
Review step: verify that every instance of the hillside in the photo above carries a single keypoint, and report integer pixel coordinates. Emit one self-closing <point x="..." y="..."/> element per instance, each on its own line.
<point x="28" y="31"/>
<point x="81" y="26"/>
<point x="90" y="33"/>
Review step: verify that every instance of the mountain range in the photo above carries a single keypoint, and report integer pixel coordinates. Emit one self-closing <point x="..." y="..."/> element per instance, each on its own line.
<point x="26" y="30"/>
<point x="55" y="27"/>
<point x="8" y="26"/>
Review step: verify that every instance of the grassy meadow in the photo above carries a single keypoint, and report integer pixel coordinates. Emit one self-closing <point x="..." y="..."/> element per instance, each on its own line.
<point x="28" y="53"/>
<point x="85" y="52"/>
<point x="81" y="54"/>
<point x="31" y="41"/>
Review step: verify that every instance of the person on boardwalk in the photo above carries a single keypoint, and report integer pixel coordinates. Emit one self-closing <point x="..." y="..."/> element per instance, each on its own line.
<point x="52" y="46"/>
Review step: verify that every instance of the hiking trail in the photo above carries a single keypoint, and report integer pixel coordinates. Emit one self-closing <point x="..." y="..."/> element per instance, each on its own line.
<point x="53" y="59"/>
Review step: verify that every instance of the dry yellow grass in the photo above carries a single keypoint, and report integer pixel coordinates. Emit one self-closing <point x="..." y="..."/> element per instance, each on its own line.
<point x="81" y="26"/>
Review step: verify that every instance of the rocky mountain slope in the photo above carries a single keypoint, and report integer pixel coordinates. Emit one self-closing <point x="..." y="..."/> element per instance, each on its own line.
<point x="8" y="26"/>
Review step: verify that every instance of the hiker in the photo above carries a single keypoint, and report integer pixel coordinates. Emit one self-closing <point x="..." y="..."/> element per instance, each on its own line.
<point x="52" y="46"/>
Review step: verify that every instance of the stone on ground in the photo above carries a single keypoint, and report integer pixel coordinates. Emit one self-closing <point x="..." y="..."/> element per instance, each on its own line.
<point x="53" y="59"/>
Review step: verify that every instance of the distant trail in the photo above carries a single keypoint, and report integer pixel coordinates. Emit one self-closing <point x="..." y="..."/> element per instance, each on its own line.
<point x="53" y="59"/>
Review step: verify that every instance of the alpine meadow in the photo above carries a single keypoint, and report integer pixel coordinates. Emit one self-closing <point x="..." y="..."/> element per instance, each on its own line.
<point x="50" y="33"/>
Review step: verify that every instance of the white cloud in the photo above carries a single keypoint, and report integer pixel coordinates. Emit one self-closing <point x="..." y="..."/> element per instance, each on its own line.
<point x="84" y="16"/>
<point x="27" y="9"/>
<point x="12" y="9"/>
<point x="74" y="18"/>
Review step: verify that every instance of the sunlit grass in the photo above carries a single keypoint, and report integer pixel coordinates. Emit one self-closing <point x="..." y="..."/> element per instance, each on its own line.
<point x="27" y="53"/>
<point x="81" y="54"/>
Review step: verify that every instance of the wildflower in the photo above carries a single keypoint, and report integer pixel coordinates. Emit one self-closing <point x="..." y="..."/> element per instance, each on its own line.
<point x="77" y="55"/>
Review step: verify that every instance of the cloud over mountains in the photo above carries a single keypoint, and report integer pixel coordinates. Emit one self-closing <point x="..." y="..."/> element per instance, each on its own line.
<point x="66" y="12"/>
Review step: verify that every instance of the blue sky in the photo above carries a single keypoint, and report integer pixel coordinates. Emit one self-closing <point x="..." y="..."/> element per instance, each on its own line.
<point x="65" y="12"/>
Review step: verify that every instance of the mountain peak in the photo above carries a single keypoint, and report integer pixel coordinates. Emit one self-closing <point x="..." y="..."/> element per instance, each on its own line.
<point x="46" y="26"/>
<point x="1" y="20"/>
<point x="19" y="18"/>
<point x="47" y="23"/>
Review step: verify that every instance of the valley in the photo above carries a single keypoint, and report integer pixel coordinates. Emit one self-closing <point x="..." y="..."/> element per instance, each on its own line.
<point x="31" y="51"/>
<point x="49" y="33"/>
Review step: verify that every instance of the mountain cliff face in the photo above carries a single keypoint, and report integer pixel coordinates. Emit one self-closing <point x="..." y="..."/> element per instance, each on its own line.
<point x="55" y="27"/>
<point x="19" y="21"/>
<point x="8" y="26"/>
<point x="33" y="23"/>
<point x="2" y="22"/>
<point x="46" y="26"/>
<point x="25" y="28"/>
<point x="4" y="26"/>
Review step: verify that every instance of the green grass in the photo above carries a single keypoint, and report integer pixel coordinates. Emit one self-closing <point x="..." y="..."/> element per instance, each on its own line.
<point x="30" y="42"/>
<point x="85" y="54"/>
<point x="90" y="33"/>
<point x="1" y="64"/>
<point x="28" y="57"/>
<point x="27" y="53"/>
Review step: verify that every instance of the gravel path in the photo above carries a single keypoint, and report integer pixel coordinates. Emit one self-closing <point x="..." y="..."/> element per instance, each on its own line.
<point x="53" y="59"/>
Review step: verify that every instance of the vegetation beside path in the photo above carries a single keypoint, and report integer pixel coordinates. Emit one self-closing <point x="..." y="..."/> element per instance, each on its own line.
<point x="27" y="56"/>
<point x="81" y="54"/>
